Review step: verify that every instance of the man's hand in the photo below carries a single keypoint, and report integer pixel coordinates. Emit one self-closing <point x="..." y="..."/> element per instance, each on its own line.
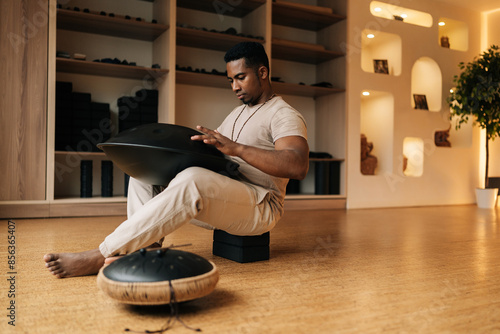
<point x="222" y="143"/>
<point x="289" y="159"/>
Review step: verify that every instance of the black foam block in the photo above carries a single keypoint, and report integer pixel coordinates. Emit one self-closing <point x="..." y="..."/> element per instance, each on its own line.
<point x="334" y="187"/>
<point x="241" y="254"/>
<point x="242" y="241"/>
<point x="86" y="178"/>
<point x="322" y="178"/>
<point x="147" y="96"/>
<point x="98" y="106"/>
<point x="62" y="103"/>
<point x="106" y="178"/>
<point x="63" y="88"/>
<point x="241" y="249"/>
<point x="149" y="118"/>
<point x="145" y="109"/>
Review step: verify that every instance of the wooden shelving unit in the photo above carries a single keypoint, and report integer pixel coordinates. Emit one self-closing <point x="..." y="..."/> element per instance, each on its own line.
<point x="158" y="43"/>
<point x="110" y="26"/>
<point x="240" y="10"/>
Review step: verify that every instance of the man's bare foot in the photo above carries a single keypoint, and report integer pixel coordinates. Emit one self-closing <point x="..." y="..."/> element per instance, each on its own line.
<point x="74" y="264"/>
<point x="111" y="259"/>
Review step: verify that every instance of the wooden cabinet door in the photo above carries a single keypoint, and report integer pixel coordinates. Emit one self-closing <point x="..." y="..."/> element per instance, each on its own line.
<point x="23" y="99"/>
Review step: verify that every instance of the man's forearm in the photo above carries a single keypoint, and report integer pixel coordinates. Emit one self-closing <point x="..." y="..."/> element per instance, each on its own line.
<point x="285" y="163"/>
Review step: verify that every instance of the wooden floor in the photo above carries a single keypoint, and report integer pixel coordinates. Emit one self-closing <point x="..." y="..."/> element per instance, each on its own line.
<point x="404" y="270"/>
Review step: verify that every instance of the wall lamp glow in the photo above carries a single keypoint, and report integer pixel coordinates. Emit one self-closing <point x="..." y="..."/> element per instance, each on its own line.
<point x="370" y="36"/>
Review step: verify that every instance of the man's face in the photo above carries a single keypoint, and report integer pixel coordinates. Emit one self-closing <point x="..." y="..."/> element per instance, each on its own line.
<point x="244" y="82"/>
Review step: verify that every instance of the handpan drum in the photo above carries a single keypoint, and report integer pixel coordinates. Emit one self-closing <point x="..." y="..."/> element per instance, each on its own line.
<point x="156" y="153"/>
<point x="158" y="277"/>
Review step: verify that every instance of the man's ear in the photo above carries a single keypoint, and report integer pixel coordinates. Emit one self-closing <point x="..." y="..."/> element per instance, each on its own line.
<point x="263" y="72"/>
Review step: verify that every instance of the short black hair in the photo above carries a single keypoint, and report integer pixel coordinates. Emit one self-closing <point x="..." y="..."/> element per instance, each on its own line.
<point x="253" y="53"/>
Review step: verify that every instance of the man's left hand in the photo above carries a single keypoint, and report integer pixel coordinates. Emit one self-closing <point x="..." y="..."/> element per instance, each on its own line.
<point x="213" y="137"/>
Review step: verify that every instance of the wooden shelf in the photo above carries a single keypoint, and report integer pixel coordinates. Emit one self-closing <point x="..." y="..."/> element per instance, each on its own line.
<point x="108" y="70"/>
<point x="209" y="40"/>
<point x="313" y="196"/>
<point x="303" y="90"/>
<point x="219" y="81"/>
<point x="110" y="26"/>
<point x="240" y="10"/>
<point x="94" y="199"/>
<point x="201" y="79"/>
<point x="81" y="154"/>
<point x="308" y="18"/>
<point x="299" y="52"/>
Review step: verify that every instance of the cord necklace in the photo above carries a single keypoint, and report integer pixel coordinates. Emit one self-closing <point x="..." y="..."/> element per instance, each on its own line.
<point x="234" y="125"/>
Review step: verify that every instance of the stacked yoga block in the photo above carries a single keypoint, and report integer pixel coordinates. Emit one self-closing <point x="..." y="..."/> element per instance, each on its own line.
<point x="241" y="249"/>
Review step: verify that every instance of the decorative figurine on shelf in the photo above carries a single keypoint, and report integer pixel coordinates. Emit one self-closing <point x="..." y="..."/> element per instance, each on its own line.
<point x="445" y="42"/>
<point x="368" y="161"/>
<point x="441" y="138"/>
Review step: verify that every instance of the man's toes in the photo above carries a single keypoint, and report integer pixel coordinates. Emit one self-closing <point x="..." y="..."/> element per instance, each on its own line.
<point x="49" y="257"/>
<point x="53" y="264"/>
<point x="57" y="270"/>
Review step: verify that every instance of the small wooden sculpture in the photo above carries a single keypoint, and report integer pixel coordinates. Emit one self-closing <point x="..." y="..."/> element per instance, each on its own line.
<point x="445" y="42"/>
<point x="368" y="161"/>
<point x="441" y="138"/>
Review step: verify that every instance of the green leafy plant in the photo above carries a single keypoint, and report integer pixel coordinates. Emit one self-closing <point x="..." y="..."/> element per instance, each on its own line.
<point x="476" y="96"/>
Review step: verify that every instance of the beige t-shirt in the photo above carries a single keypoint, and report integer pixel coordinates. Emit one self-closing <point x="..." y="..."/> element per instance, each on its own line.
<point x="274" y="120"/>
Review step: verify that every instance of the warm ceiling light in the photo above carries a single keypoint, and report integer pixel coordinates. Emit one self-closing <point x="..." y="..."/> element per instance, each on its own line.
<point x="370" y="36"/>
<point x="365" y="93"/>
<point x="441" y="24"/>
<point x="378" y="9"/>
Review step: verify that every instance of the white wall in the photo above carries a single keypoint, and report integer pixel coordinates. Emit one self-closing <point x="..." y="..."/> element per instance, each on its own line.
<point x="449" y="174"/>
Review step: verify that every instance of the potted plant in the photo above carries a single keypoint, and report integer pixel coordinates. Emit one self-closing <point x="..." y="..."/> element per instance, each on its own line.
<point x="476" y="96"/>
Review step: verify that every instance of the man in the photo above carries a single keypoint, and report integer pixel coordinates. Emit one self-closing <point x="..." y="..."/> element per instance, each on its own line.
<point x="264" y="135"/>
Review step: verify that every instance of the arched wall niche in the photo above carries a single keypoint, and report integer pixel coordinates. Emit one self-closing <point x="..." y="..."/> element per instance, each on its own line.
<point x="380" y="46"/>
<point x="426" y="85"/>
<point x="413" y="157"/>
<point x="377" y="122"/>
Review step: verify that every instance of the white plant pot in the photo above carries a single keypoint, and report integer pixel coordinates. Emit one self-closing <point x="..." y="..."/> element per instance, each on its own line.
<point x="486" y="198"/>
